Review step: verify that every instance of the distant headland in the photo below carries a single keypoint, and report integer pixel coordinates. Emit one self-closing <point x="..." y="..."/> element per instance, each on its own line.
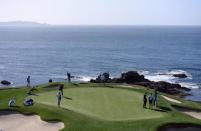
<point x="23" y="23"/>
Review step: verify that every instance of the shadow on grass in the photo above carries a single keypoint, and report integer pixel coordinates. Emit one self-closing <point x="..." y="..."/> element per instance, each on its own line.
<point x="164" y="108"/>
<point x="33" y="94"/>
<point x="185" y="108"/>
<point x="67" y="98"/>
<point x="160" y="109"/>
<point x="15" y="106"/>
<point x="109" y="86"/>
<point x="75" y="84"/>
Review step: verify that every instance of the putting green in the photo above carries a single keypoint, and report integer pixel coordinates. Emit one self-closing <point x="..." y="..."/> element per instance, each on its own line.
<point x="104" y="103"/>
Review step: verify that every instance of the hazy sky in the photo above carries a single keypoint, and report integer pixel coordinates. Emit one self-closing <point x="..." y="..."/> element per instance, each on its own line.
<point x="103" y="12"/>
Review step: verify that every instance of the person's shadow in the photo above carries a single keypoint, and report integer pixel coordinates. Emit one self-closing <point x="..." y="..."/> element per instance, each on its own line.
<point x="67" y="98"/>
<point x="14" y="106"/>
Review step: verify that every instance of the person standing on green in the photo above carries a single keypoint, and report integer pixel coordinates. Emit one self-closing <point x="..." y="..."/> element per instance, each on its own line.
<point x="61" y="87"/>
<point x="69" y="77"/>
<point x="155" y="98"/>
<point x="145" y="100"/>
<point x="150" y="101"/>
<point x="28" y="81"/>
<point x="59" y="94"/>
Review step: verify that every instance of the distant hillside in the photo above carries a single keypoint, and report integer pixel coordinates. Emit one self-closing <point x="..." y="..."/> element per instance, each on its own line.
<point x="22" y="23"/>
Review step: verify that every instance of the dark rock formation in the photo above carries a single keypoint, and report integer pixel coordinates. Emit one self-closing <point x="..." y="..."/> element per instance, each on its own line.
<point x="102" y="78"/>
<point x="50" y="81"/>
<point x="165" y="87"/>
<point x="132" y="77"/>
<point x="180" y="75"/>
<point x="5" y="82"/>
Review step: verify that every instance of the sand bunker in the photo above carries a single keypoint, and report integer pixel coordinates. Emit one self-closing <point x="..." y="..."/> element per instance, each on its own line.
<point x="172" y="100"/>
<point x="194" y="113"/>
<point x="18" y="122"/>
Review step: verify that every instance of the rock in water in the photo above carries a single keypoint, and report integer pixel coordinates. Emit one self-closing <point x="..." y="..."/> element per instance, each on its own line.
<point x="102" y="78"/>
<point x="50" y="81"/>
<point x="132" y="77"/>
<point x="5" y="82"/>
<point x="180" y="75"/>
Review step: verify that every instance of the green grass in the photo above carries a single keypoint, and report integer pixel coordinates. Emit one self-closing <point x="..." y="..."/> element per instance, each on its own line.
<point x="97" y="108"/>
<point x="104" y="103"/>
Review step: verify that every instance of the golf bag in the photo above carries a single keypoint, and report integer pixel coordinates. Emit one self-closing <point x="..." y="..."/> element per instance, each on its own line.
<point x="28" y="102"/>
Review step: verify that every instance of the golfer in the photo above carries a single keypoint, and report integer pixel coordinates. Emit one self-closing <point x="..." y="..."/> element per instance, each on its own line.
<point x="59" y="98"/>
<point x="155" y="98"/>
<point x="145" y="100"/>
<point x="150" y="101"/>
<point x="69" y="77"/>
<point x="61" y="87"/>
<point x="28" y="81"/>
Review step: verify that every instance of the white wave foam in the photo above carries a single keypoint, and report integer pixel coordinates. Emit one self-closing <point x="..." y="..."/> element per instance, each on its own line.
<point x="141" y="72"/>
<point x="168" y="77"/>
<point x="157" y="78"/>
<point x="75" y="78"/>
<point x="189" y="85"/>
<point x="59" y="77"/>
<point x="84" y="78"/>
<point x="173" y="72"/>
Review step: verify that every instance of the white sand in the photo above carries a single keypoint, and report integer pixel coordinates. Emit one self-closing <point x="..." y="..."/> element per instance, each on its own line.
<point x="172" y="100"/>
<point x="19" y="122"/>
<point x="194" y="114"/>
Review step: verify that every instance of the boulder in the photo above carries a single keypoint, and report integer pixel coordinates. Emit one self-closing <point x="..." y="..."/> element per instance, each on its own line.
<point x="180" y="75"/>
<point x="5" y="82"/>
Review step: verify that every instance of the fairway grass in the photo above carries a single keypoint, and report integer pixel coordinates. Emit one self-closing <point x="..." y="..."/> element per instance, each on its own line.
<point x="104" y="103"/>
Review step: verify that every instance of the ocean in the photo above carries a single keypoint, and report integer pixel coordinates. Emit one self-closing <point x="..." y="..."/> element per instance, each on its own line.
<point x="86" y="51"/>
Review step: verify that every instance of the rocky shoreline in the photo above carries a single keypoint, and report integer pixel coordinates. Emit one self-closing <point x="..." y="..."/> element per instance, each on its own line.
<point x="133" y="77"/>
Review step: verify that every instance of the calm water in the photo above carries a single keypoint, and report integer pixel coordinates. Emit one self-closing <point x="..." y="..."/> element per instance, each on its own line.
<point x="50" y="52"/>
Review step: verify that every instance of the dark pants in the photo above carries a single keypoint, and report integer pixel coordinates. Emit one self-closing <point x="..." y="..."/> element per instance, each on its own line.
<point x="58" y="101"/>
<point x="144" y="104"/>
<point x="62" y="93"/>
<point x="150" y="103"/>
